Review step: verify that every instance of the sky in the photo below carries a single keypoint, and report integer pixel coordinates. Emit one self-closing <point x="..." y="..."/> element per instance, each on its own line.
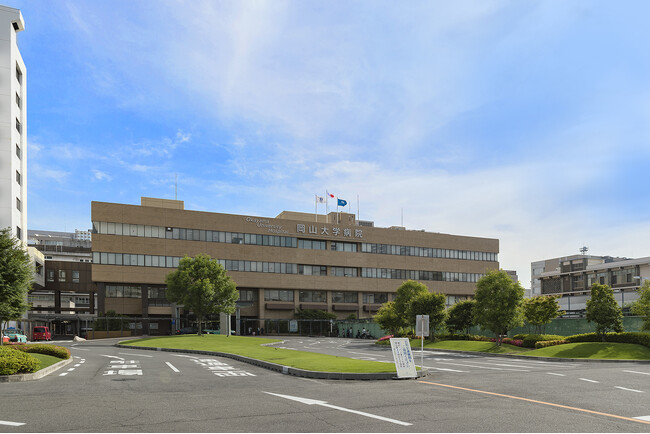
<point x="526" y="121"/>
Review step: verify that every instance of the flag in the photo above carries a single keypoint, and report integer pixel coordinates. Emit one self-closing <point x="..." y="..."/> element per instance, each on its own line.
<point x="329" y="194"/>
<point x="320" y="199"/>
<point x="341" y="202"/>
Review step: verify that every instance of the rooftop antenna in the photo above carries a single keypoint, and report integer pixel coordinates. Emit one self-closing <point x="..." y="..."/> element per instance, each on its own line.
<point x="584" y="250"/>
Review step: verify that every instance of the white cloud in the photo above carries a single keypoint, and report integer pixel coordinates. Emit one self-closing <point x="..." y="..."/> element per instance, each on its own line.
<point x="99" y="175"/>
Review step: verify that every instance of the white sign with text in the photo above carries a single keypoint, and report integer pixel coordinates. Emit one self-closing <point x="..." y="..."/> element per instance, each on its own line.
<point x="403" y="357"/>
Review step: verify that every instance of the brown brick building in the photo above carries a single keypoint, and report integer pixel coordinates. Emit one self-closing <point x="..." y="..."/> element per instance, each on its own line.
<point x="293" y="261"/>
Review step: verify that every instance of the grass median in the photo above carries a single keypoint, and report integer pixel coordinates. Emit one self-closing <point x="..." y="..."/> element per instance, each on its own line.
<point x="253" y="348"/>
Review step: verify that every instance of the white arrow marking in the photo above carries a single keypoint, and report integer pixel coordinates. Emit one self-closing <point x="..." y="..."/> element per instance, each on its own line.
<point x="335" y="407"/>
<point x="4" y="422"/>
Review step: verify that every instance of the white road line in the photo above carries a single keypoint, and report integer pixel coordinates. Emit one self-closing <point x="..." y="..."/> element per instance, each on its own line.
<point x="80" y="349"/>
<point x="134" y="354"/>
<point x="643" y="418"/>
<point x="77" y="365"/>
<point x="483" y="367"/>
<point x="553" y="373"/>
<point x="71" y="369"/>
<point x="502" y="364"/>
<point x="4" y="422"/>
<point x="112" y="357"/>
<point x="363" y="354"/>
<point x="189" y="357"/>
<point x="325" y="404"/>
<point x="446" y="369"/>
<point x="172" y="367"/>
<point x="637" y="372"/>
<point x="588" y="380"/>
<point x="629" y="390"/>
<point x="63" y="375"/>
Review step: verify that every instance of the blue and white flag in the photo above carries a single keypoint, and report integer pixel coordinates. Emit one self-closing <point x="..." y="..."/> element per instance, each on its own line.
<point x="320" y="199"/>
<point x="341" y="202"/>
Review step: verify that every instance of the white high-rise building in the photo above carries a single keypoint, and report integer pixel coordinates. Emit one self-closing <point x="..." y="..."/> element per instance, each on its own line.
<point x="13" y="117"/>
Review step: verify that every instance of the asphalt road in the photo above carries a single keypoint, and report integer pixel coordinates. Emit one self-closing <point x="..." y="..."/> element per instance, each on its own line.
<point x="110" y="389"/>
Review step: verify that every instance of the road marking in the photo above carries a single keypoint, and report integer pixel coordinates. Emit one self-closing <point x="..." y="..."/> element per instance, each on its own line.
<point x="189" y="357"/>
<point x="504" y="364"/>
<point x="553" y="373"/>
<point x="538" y="402"/>
<point x="172" y="367"/>
<point x="643" y="418"/>
<point x="80" y="349"/>
<point x="484" y="367"/>
<point x="133" y="354"/>
<point x="63" y="375"/>
<point x="325" y="404"/>
<point x="590" y="381"/>
<point x="362" y="354"/>
<point x="447" y="369"/>
<point x="112" y="357"/>
<point x="4" y="422"/>
<point x="77" y="365"/>
<point x="629" y="390"/>
<point x="637" y="372"/>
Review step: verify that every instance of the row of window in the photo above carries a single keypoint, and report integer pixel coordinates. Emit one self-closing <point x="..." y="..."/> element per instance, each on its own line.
<point x="62" y="276"/>
<point x="134" y="230"/>
<point x="428" y="252"/>
<point x="286" y="268"/>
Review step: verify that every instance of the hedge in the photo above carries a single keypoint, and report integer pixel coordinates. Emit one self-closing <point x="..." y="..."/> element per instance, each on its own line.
<point x="530" y="340"/>
<point x="16" y="362"/>
<point x="50" y="350"/>
<point x="639" y="338"/>
<point x="544" y="344"/>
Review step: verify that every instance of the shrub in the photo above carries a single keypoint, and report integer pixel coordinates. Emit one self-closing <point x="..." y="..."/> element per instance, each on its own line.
<point x="531" y="339"/>
<point x="50" y="350"/>
<point x="16" y="362"/>
<point x="515" y="342"/>
<point x="544" y="344"/>
<point x="638" y="338"/>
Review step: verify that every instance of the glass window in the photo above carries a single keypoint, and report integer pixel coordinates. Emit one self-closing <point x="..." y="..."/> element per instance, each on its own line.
<point x="50" y="275"/>
<point x="61" y="275"/>
<point x="278" y="295"/>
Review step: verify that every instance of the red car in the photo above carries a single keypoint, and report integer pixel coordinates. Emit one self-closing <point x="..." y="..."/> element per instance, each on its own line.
<point x="41" y="333"/>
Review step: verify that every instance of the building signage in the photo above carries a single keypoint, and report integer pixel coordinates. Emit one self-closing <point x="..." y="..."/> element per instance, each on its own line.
<point x="403" y="357"/>
<point x="302" y="228"/>
<point x="265" y="223"/>
<point x="293" y="326"/>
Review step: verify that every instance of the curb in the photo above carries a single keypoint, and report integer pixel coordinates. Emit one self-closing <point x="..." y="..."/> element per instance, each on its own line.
<point x="36" y="375"/>
<point x="551" y="359"/>
<point x="287" y="370"/>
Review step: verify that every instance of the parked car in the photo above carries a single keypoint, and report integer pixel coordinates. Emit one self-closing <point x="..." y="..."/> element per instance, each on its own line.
<point x="211" y="331"/>
<point x="187" y="331"/>
<point x="41" y="333"/>
<point x="16" y="335"/>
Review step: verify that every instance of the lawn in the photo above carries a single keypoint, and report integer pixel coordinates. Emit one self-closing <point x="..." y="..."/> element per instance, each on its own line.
<point x="480" y="346"/>
<point x="594" y="350"/>
<point x="46" y="360"/>
<point x="252" y="347"/>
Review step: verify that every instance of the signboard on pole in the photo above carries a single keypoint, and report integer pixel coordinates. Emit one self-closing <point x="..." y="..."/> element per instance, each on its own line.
<point x="403" y="357"/>
<point x="422" y="325"/>
<point x="293" y="326"/>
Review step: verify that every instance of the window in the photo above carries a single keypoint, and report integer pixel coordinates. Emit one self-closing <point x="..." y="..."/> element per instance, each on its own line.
<point x="19" y="74"/>
<point x="19" y="127"/>
<point x="18" y="178"/>
<point x="375" y="297"/>
<point x="18" y="152"/>
<point x="345" y="297"/>
<point x="247" y="295"/>
<point x="278" y="295"/>
<point x="344" y="271"/>
<point x="18" y="100"/>
<point x="50" y="275"/>
<point x="19" y="233"/>
<point x="313" y="296"/>
<point x="18" y="205"/>
<point x="75" y="276"/>
<point x="61" y="275"/>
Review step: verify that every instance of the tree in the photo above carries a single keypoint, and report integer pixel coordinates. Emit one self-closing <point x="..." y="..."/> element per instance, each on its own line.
<point x="541" y="310"/>
<point x="432" y="304"/>
<point x="498" y="303"/>
<point x="16" y="275"/>
<point x="641" y="306"/>
<point x="460" y="316"/>
<point x="388" y="319"/>
<point x="603" y="309"/>
<point x="201" y="285"/>
<point x="407" y="291"/>
<point x="313" y="314"/>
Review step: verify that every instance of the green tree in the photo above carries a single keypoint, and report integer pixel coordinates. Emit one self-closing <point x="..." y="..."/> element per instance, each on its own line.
<point x="388" y="319"/>
<point x="603" y="309"/>
<point x="16" y="275"/>
<point x="641" y="306"/>
<point x="201" y="285"/>
<point x="541" y="310"/>
<point x="460" y="316"/>
<point x="498" y="303"/>
<point x="406" y="293"/>
<point x="432" y="304"/>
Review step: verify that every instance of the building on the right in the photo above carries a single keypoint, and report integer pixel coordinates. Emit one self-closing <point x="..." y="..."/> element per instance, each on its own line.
<point x="571" y="277"/>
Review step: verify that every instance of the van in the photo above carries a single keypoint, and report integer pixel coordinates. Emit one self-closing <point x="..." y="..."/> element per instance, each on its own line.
<point x="41" y="333"/>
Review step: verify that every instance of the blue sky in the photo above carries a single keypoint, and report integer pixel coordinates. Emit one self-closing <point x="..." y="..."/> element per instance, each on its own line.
<point x="522" y="121"/>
